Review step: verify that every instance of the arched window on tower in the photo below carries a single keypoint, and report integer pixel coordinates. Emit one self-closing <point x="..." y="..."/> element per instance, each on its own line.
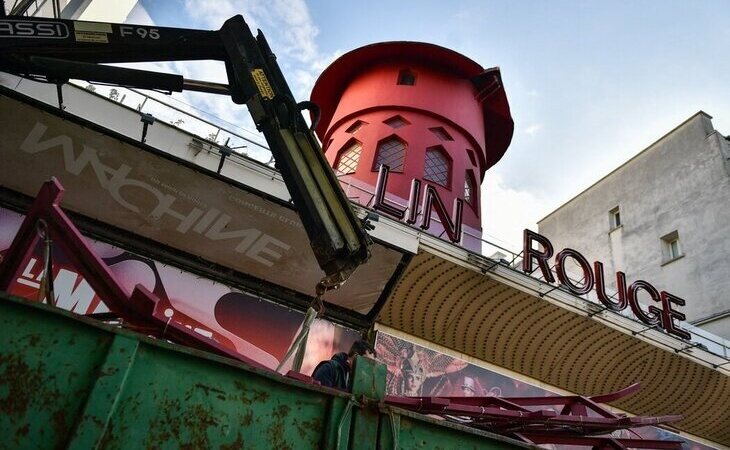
<point x="391" y="152"/>
<point x="438" y="166"/>
<point x="406" y="77"/>
<point x="470" y="189"/>
<point x="349" y="157"/>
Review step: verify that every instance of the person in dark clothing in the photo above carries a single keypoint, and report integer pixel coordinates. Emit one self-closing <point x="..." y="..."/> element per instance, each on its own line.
<point x="336" y="371"/>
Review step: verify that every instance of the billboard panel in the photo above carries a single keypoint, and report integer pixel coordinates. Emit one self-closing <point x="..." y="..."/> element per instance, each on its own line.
<point x="124" y="185"/>
<point x="236" y="319"/>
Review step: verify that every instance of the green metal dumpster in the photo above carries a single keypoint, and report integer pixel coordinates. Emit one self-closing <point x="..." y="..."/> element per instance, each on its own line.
<point x="67" y="381"/>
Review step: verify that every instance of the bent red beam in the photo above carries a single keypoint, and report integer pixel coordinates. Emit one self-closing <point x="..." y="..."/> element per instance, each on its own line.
<point x="143" y="310"/>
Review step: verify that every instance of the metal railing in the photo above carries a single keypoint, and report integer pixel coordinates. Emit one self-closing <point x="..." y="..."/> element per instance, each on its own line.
<point x="191" y="119"/>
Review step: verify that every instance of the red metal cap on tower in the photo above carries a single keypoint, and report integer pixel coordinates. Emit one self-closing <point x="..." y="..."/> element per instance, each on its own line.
<point x="466" y="88"/>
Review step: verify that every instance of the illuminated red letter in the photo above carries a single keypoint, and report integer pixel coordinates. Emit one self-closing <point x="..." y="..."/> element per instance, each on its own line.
<point x="654" y="318"/>
<point x="413" y="201"/>
<point x="615" y="305"/>
<point x="542" y="257"/>
<point x="380" y="203"/>
<point x="563" y="276"/>
<point x="668" y="314"/>
<point x="431" y="200"/>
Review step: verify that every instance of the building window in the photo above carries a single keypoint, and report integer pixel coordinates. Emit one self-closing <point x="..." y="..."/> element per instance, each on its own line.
<point x="437" y="167"/>
<point x="671" y="248"/>
<point x="441" y="133"/>
<point x="614" y="217"/>
<point x="406" y="77"/>
<point x="396" y="122"/>
<point x="348" y="158"/>
<point x="392" y="153"/>
<point x="355" y="126"/>
<point x="470" y="188"/>
<point x="472" y="158"/>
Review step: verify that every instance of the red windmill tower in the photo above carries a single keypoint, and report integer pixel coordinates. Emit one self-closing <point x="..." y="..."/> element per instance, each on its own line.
<point x="427" y="113"/>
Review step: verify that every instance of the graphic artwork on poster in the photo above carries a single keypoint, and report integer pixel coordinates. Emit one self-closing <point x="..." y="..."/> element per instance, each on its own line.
<point x="235" y="319"/>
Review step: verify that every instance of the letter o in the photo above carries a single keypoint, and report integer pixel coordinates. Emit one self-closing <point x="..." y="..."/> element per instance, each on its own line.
<point x="588" y="279"/>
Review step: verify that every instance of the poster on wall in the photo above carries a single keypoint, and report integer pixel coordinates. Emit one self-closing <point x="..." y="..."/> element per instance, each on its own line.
<point x="236" y="319"/>
<point x="417" y="371"/>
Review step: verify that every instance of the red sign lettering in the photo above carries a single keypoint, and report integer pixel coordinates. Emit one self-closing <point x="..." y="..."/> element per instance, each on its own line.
<point x="431" y="202"/>
<point x="663" y="316"/>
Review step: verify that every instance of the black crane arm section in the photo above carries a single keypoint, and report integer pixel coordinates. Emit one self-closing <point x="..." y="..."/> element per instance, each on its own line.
<point x="57" y="50"/>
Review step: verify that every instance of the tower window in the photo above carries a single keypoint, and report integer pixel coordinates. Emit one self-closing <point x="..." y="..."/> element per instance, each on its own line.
<point x="406" y="77"/>
<point x="437" y="167"/>
<point x="348" y="158"/>
<point x="614" y="218"/>
<point x="392" y="153"/>
<point x="472" y="158"/>
<point x="441" y="133"/>
<point x="355" y="126"/>
<point x="470" y="188"/>
<point x="396" y="122"/>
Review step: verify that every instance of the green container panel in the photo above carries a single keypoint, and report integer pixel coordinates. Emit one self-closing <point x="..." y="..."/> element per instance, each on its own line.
<point x="71" y="382"/>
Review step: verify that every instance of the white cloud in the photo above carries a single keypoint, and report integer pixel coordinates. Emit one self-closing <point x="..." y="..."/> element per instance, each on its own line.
<point x="288" y="27"/>
<point x="506" y="212"/>
<point x="286" y="22"/>
<point x="533" y="129"/>
<point x="291" y="33"/>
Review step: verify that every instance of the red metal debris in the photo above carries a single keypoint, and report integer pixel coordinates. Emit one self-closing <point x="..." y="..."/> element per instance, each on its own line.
<point x="565" y="420"/>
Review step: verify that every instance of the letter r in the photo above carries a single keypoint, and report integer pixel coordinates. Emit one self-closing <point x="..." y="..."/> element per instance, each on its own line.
<point x="542" y="257"/>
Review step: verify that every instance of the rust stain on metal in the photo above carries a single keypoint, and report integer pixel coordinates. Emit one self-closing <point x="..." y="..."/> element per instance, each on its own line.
<point x="108" y="440"/>
<point x="208" y="389"/>
<point x="23" y="383"/>
<point x="59" y="424"/>
<point x="238" y="444"/>
<point x="164" y="427"/>
<point x="247" y="418"/>
<point x="248" y="396"/>
<point x="185" y="425"/>
<point x="109" y="371"/>
<point x="22" y="431"/>
<point x="261" y="396"/>
<point x="307" y="426"/>
<point x="277" y="430"/>
<point x="33" y="340"/>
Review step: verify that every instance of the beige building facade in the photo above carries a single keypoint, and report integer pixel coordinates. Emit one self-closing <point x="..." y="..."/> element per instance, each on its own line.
<point x="663" y="217"/>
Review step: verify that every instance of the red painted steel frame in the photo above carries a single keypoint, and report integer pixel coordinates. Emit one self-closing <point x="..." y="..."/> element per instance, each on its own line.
<point x="142" y="310"/>
<point x="579" y="421"/>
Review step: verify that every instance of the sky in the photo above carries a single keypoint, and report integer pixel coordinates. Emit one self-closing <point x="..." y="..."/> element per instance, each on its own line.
<point x="590" y="84"/>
